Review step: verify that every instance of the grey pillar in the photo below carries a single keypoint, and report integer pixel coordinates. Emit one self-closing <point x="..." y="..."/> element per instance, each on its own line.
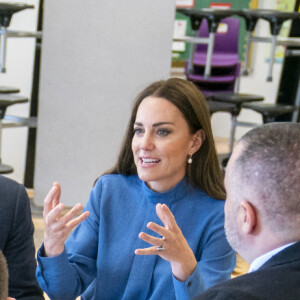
<point x="96" y="56"/>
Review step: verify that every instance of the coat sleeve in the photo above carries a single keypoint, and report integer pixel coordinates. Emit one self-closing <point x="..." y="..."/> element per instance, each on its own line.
<point x="215" y="263"/>
<point x="68" y="275"/>
<point x="20" y="251"/>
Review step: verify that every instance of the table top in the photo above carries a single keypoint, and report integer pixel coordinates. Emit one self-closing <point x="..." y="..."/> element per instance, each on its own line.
<point x="237" y="98"/>
<point x="8" y="9"/>
<point x="9" y="99"/>
<point x="8" y="89"/>
<point x="269" y="14"/>
<point x="13" y="7"/>
<point x="208" y="12"/>
<point x="259" y="13"/>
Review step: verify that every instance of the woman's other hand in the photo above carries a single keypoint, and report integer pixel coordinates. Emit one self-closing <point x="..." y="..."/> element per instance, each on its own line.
<point x="59" y="226"/>
<point x="174" y="247"/>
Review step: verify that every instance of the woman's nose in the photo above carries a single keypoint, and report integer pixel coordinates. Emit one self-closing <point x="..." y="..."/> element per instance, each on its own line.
<point x="147" y="142"/>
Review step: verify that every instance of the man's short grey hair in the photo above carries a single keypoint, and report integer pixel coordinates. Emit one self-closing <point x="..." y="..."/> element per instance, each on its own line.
<point x="268" y="168"/>
<point x="3" y="277"/>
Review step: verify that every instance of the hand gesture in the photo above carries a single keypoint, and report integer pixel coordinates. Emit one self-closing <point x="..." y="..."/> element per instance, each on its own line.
<point x="172" y="247"/>
<point x="58" y="226"/>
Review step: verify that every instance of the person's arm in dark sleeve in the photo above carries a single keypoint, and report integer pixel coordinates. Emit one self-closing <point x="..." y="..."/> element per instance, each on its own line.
<point x="20" y="252"/>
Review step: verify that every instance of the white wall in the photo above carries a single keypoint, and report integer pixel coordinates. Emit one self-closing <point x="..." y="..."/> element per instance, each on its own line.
<point x="94" y="62"/>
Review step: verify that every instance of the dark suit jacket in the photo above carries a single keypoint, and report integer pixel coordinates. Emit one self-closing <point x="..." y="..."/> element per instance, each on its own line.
<point x="16" y="240"/>
<point x="277" y="279"/>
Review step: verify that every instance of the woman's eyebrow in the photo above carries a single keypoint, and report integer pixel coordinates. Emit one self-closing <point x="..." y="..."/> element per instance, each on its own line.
<point x="155" y="124"/>
<point x="162" y="123"/>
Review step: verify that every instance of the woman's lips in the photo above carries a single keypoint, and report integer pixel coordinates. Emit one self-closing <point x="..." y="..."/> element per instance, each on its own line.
<point x="149" y="161"/>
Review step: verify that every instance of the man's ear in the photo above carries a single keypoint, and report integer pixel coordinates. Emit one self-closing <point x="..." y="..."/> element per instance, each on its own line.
<point x="247" y="217"/>
<point x="198" y="140"/>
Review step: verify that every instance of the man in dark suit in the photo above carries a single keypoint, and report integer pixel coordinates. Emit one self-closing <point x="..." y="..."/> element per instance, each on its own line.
<point x="262" y="214"/>
<point x="16" y="240"/>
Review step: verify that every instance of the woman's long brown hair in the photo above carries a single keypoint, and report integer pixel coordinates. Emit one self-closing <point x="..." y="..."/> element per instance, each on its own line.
<point x="204" y="172"/>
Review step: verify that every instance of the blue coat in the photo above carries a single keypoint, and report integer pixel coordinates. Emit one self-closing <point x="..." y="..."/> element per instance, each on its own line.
<point x="16" y="240"/>
<point x="100" y="251"/>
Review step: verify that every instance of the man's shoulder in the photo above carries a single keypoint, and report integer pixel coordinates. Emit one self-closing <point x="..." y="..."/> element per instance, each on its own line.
<point x="13" y="196"/>
<point x="266" y="283"/>
<point x="7" y="183"/>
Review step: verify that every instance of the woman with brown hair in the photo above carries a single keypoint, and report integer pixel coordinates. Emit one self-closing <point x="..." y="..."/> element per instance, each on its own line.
<point x="166" y="191"/>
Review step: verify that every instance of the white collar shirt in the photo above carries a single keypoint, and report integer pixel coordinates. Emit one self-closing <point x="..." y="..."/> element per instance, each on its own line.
<point x="259" y="261"/>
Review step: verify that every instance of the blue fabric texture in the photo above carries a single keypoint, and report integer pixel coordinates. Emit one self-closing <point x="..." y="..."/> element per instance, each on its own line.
<point x="99" y="260"/>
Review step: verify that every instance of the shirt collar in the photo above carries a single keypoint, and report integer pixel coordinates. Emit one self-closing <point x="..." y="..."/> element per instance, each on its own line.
<point x="259" y="261"/>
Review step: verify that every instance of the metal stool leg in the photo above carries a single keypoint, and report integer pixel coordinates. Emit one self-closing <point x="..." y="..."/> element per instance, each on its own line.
<point x="3" y="49"/>
<point x="4" y="169"/>
<point x="272" y="55"/>
<point x="232" y="133"/>
<point x="210" y="49"/>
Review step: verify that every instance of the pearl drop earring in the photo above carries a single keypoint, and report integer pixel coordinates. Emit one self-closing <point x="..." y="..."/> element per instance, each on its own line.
<point x="190" y="160"/>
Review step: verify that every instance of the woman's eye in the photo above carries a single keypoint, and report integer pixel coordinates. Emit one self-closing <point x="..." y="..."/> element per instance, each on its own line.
<point x="137" y="131"/>
<point x="163" y="132"/>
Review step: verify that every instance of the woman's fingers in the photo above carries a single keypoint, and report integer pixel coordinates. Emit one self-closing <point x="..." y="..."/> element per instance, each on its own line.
<point x="166" y="216"/>
<point x="154" y="241"/>
<point x="54" y="214"/>
<point x="52" y="198"/>
<point x="57" y="194"/>
<point x="74" y="221"/>
<point x="75" y="211"/>
<point x="172" y="247"/>
<point x="158" y="229"/>
<point x="59" y="226"/>
<point x="146" y="251"/>
<point x="57" y="229"/>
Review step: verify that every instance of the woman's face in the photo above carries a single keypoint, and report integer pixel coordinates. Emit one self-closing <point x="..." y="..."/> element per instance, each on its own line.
<point x="161" y="143"/>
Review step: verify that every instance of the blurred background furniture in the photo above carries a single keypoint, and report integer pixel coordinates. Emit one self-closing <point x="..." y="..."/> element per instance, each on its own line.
<point x="225" y="65"/>
<point x="6" y="12"/>
<point x="276" y="19"/>
<point x="213" y="17"/>
<point x="7" y="99"/>
<point x="238" y="100"/>
<point x="7" y="96"/>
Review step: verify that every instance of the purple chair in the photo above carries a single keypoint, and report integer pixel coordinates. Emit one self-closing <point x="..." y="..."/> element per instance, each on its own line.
<point x="225" y="65"/>
<point x="225" y="47"/>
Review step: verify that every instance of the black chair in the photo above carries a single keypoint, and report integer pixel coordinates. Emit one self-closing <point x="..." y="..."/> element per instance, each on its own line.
<point x="270" y="111"/>
<point x="236" y="99"/>
<point x="215" y="106"/>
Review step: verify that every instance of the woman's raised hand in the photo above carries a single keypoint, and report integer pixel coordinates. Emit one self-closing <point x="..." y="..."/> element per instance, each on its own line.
<point x="59" y="226"/>
<point x="172" y="247"/>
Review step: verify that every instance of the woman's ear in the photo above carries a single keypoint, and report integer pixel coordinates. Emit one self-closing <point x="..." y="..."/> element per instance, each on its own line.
<point x="198" y="140"/>
<point x="247" y="217"/>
